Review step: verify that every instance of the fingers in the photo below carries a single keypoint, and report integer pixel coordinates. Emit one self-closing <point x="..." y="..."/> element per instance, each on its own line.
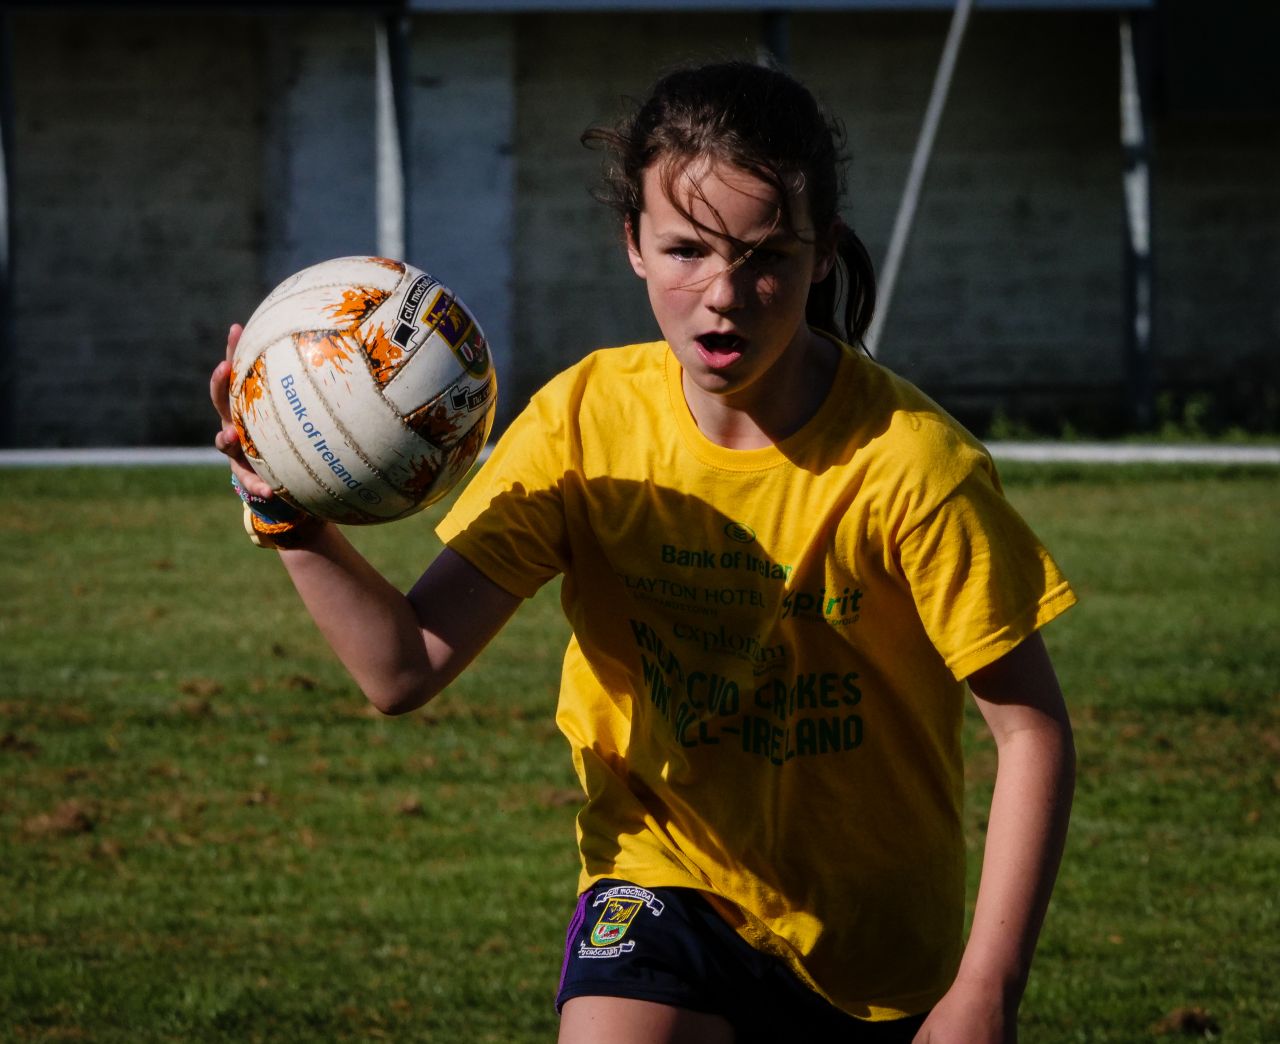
<point x="220" y="390"/>
<point x="220" y="380"/>
<point x="227" y="439"/>
<point x="251" y="481"/>
<point x="233" y="338"/>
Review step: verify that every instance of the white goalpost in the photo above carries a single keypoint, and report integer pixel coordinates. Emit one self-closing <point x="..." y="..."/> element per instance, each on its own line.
<point x="888" y="276"/>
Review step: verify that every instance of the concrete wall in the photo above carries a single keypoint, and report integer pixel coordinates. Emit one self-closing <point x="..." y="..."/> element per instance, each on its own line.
<point x="170" y="169"/>
<point x="1012" y="274"/>
<point x="462" y="168"/>
<point x="315" y="101"/>
<point x="1217" y="250"/>
<point x="137" y="219"/>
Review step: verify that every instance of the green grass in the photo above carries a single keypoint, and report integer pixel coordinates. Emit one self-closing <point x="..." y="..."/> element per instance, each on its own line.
<point x="205" y="835"/>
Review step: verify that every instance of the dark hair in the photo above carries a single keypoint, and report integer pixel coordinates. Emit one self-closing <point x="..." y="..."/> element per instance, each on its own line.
<point x="762" y="121"/>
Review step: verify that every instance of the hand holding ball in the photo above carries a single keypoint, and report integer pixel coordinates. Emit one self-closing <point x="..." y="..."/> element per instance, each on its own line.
<point x="362" y="390"/>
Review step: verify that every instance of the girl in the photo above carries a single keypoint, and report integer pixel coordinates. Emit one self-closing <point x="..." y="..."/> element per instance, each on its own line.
<point x="782" y="565"/>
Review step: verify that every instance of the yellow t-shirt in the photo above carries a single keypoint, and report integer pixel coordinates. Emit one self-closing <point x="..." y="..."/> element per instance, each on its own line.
<point x="763" y="690"/>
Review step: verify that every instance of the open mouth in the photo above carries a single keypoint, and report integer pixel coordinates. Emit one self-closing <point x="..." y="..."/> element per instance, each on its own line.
<point x="719" y="349"/>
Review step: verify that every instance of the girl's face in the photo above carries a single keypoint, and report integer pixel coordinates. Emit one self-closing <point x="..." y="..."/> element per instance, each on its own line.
<point x="731" y="306"/>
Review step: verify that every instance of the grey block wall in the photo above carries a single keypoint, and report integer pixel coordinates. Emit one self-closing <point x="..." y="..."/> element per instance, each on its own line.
<point x="462" y="109"/>
<point x="137" y="221"/>
<point x="1013" y="275"/>
<point x="169" y="169"/>
<point x="1217" y="248"/>
<point x="316" y="156"/>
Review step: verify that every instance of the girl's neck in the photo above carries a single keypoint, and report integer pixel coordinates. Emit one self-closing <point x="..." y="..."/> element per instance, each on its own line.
<point x="773" y="408"/>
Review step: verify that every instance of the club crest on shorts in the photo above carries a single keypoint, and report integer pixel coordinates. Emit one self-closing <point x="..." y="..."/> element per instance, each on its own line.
<point x="621" y="906"/>
<point x="614" y="921"/>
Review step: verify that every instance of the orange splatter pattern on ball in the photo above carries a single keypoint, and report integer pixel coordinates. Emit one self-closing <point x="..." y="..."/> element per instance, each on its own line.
<point x="446" y="418"/>
<point x="246" y="402"/>
<point x="384" y="357"/>
<point x="466" y="451"/>
<point x="435" y="421"/>
<point x="357" y="304"/>
<point x="324" y="348"/>
<point x="251" y="387"/>
<point x="424" y="474"/>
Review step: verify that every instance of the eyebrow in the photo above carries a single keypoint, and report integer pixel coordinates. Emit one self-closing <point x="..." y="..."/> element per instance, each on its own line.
<point x="774" y="235"/>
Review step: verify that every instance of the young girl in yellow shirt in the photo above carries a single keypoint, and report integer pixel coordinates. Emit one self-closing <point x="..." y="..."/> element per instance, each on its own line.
<point x="784" y="567"/>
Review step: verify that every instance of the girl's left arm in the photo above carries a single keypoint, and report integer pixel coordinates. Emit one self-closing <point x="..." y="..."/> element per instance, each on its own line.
<point x="1022" y="703"/>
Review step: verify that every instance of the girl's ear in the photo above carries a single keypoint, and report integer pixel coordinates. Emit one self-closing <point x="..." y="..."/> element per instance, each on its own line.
<point x="825" y="252"/>
<point x="632" y="231"/>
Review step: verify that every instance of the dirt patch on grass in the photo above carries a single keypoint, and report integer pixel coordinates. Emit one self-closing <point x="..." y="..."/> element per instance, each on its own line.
<point x="67" y="820"/>
<point x="12" y="743"/>
<point x="1191" y="1021"/>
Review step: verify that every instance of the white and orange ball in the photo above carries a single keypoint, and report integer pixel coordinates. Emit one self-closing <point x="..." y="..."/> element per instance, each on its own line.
<point x="362" y="390"/>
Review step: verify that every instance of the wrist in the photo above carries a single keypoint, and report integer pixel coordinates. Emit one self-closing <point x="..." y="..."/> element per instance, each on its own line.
<point x="998" y="990"/>
<point x="278" y="537"/>
<point x="272" y="522"/>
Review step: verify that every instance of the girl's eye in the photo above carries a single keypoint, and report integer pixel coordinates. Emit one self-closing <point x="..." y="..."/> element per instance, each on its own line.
<point x="684" y="253"/>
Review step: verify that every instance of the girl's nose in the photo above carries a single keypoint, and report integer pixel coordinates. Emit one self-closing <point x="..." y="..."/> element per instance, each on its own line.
<point x="725" y="290"/>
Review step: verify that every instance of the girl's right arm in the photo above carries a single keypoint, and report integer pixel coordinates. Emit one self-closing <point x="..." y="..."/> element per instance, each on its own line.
<point x="401" y="649"/>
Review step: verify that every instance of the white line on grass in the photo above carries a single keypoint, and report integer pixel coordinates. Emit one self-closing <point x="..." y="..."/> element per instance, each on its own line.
<point x="114" y="457"/>
<point x="1040" y="452"/>
<point x="1136" y="453"/>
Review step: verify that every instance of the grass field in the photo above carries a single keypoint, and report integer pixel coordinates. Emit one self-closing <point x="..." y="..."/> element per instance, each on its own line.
<point x="205" y="835"/>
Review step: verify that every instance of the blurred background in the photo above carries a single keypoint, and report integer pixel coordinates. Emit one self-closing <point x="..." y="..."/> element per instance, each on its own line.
<point x="1096" y="249"/>
<point x="205" y="833"/>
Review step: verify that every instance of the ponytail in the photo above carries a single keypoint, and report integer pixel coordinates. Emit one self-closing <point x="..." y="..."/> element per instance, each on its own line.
<point x="852" y="277"/>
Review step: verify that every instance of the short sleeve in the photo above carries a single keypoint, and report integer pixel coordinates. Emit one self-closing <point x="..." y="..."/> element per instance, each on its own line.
<point x="509" y="522"/>
<point x="980" y="578"/>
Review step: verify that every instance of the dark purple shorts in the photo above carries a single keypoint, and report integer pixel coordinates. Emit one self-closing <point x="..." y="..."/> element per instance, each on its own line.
<point x="668" y="945"/>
